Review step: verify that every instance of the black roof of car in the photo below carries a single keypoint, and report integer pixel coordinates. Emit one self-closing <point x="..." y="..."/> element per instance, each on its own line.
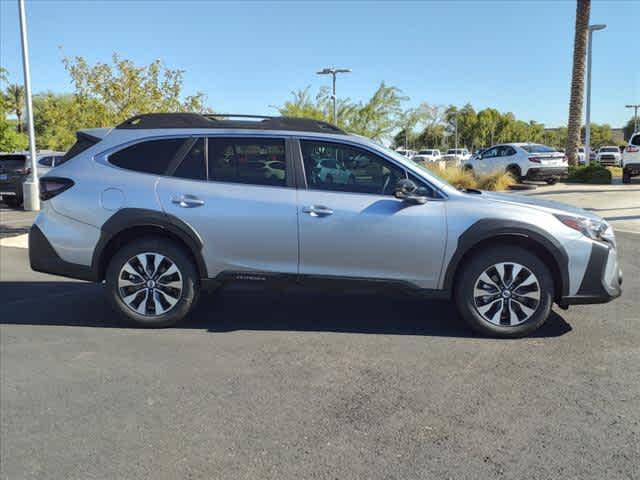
<point x="252" y="122"/>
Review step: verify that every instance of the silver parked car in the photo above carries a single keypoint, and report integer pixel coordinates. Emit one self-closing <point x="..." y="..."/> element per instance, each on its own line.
<point x="165" y="206"/>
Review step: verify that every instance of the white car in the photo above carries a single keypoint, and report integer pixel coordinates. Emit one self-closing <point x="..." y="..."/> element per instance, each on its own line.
<point x="457" y="154"/>
<point x="48" y="160"/>
<point x="525" y="161"/>
<point x="631" y="159"/>
<point x="430" y="155"/>
<point x="330" y="171"/>
<point x="582" y="159"/>
<point x="609" y="156"/>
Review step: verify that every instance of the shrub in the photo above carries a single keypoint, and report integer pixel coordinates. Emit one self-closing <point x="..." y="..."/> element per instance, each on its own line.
<point x="593" y="173"/>
<point x="461" y="178"/>
<point x="497" y="181"/>
<point x="615" y="171"/>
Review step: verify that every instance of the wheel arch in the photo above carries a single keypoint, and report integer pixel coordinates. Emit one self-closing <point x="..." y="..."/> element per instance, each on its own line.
<point x="489" y="233"/>
<point x="132" y="223"/>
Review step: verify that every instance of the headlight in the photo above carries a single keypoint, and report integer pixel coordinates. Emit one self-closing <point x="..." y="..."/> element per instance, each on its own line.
<point x="594" y="229"/>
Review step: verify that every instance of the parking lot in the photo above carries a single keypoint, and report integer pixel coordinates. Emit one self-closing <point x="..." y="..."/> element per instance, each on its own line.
<point x="299" y="384"/>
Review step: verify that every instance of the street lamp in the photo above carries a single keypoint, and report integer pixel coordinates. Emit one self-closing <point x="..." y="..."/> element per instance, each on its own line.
<point x="635" y="115"/>
<point x="587" y="136"/>
<point x="333" y="72"/>
<point x="30" y="187"/>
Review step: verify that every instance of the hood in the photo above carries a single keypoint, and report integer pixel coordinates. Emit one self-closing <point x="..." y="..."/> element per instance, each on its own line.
<point x="549" y="206"/>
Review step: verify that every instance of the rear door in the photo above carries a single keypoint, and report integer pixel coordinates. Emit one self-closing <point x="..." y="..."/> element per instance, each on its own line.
<point x="245" y="215"/>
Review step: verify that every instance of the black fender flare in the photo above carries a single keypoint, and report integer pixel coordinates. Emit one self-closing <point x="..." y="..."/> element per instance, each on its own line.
<point x="130" y="218"/>
<point x="486" y="229"/>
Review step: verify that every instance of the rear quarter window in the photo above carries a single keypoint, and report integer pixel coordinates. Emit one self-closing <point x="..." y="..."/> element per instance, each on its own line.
<point x="635" y="140"/>
<point x="152" y="156"/>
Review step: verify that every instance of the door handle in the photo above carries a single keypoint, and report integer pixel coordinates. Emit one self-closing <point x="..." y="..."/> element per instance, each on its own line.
<point x="318" y="211"/>
<point x="187" y="201"/>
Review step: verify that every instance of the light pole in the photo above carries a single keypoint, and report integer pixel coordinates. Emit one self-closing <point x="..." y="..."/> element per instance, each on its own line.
<point x="587" y="135"/>
<point x="635" y="115"/>
<point x="333" y="72"/>
<point x="30" y="188"/>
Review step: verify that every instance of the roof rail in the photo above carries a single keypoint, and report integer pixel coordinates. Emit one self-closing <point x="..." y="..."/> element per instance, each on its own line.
<point x="227" y="120"/>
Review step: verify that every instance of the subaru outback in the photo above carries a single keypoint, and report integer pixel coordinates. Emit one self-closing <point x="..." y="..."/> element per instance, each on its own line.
<point x="164" y="206"/>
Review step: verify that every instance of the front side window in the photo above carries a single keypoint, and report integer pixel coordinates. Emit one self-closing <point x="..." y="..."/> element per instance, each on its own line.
<point x="635" y="141"/>
<point x="336" y="167"/>
<point x="152" y="156"/>
<point x="256" y="161"/>
<point x="491" y="153"/>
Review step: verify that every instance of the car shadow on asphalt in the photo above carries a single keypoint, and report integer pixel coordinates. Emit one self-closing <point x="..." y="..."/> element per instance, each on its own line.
<point x="79" y="304"/>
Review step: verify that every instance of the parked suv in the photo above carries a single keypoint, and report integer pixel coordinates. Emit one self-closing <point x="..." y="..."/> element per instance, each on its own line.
<point x="165" y="206"/>
<point x="609" y="156"/>
<point x="631" y="159"/>
<point x="15" y="168"/>
<point x="430" y="155"/>
<point x="525" y="161"/>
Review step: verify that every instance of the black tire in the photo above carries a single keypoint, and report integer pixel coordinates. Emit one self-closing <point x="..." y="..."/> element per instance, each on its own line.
<point x="626" y="178"/>
<point x="552" y="181"/>
<point x="467" y="301"/>
<point x="190" y="284"/>
<point x="13" y="202"/>
<point x="515" y="172"/>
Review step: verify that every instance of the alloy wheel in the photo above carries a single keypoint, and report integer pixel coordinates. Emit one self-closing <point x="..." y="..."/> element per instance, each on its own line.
<point x="150" y="284"/>
<point x="507" y="294"/>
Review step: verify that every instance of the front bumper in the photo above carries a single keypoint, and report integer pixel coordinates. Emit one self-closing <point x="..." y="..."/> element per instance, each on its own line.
<point x="632" y="169"/>
<point x="544" y="173"/>
<point x="602" y="281"/>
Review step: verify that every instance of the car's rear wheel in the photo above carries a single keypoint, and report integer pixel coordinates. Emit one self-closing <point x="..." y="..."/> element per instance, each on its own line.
<point x="626" y="177"/>
<point x="552" y="181"/>
<point x="505" y="292"/>
<point x="515" y="172"/>
<point x="152" y="282"/>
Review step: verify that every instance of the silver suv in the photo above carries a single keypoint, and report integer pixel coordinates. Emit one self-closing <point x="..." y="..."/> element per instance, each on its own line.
<point x="164" y="206"/>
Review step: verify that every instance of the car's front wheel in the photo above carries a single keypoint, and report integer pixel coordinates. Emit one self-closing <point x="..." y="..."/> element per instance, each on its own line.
<point x="505" y="292"/>
<point x="152" y="282"/>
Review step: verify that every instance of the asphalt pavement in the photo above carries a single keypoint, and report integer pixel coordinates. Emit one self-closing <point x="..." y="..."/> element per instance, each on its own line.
<point x="297" y="384"/>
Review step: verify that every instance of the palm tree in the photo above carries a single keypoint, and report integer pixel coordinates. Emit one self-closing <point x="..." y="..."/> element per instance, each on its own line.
<point x="15" y="101"/>
<point x="583" y="8"/>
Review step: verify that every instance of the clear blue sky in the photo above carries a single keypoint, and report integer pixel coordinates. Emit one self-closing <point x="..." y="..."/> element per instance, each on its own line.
<point x="247" y="57"/>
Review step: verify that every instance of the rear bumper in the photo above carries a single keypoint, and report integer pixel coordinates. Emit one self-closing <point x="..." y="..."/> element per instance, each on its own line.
<point x="11" y="187"/>
<point x="602" y="281"/>
<point x="43" y="258"/>
<point x="543" y="173"/>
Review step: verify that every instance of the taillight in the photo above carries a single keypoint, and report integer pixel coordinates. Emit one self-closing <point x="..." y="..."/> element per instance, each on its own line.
<point x="535" y="159"/>
<point x="52" y="186"/>
<point x="631" y="149"/>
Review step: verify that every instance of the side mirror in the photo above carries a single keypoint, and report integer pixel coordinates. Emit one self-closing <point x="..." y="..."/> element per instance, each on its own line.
<point x="407" y="191"/>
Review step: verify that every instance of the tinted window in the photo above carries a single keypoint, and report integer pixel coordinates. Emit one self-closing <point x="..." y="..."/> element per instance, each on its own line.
<point x="359" y="171"/>
<point x="537" y="148"/>
<point x="152" y="156"/>
<point x="492" y="152"/>
<point x="635" y="140"/>
<point x="58" y="160"/>
<point x="83" y="142"/>
<point x="45" y="161"/>
<point x="192" y="166"/>
<point x="610" y="149"/>
<point x="506" y="151"/>
<point x="13" y="161"/>
<point x="247" y="160"/>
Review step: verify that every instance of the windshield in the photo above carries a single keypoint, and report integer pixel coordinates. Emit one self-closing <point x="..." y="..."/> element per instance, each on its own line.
<point x="610" y="149"/>
<point x="537" y="148"/>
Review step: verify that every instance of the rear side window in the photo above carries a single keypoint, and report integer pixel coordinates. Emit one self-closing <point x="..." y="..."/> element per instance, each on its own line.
<point x="46" y="161"/>
<point x="537" y="148"/>
<point x="635" y="141"/>
<point x="13" y="161"/>
<point x="247" y="160"/>
<point x="152" y="156"/>
<point x="192" y="166"/>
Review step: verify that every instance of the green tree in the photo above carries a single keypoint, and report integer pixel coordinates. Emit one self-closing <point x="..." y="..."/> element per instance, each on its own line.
<point x="10" y="138"/>
<point x="629" y="128"/>
<point x="15" y="103"/>
<point x="376" y="118"/>
<point x="583" y="8"/>
<point x="125" y="89"/>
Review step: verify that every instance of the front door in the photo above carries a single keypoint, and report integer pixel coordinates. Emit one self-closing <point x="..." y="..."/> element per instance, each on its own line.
<point x="358" y="229"/>
<point x="244" y="210"/>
